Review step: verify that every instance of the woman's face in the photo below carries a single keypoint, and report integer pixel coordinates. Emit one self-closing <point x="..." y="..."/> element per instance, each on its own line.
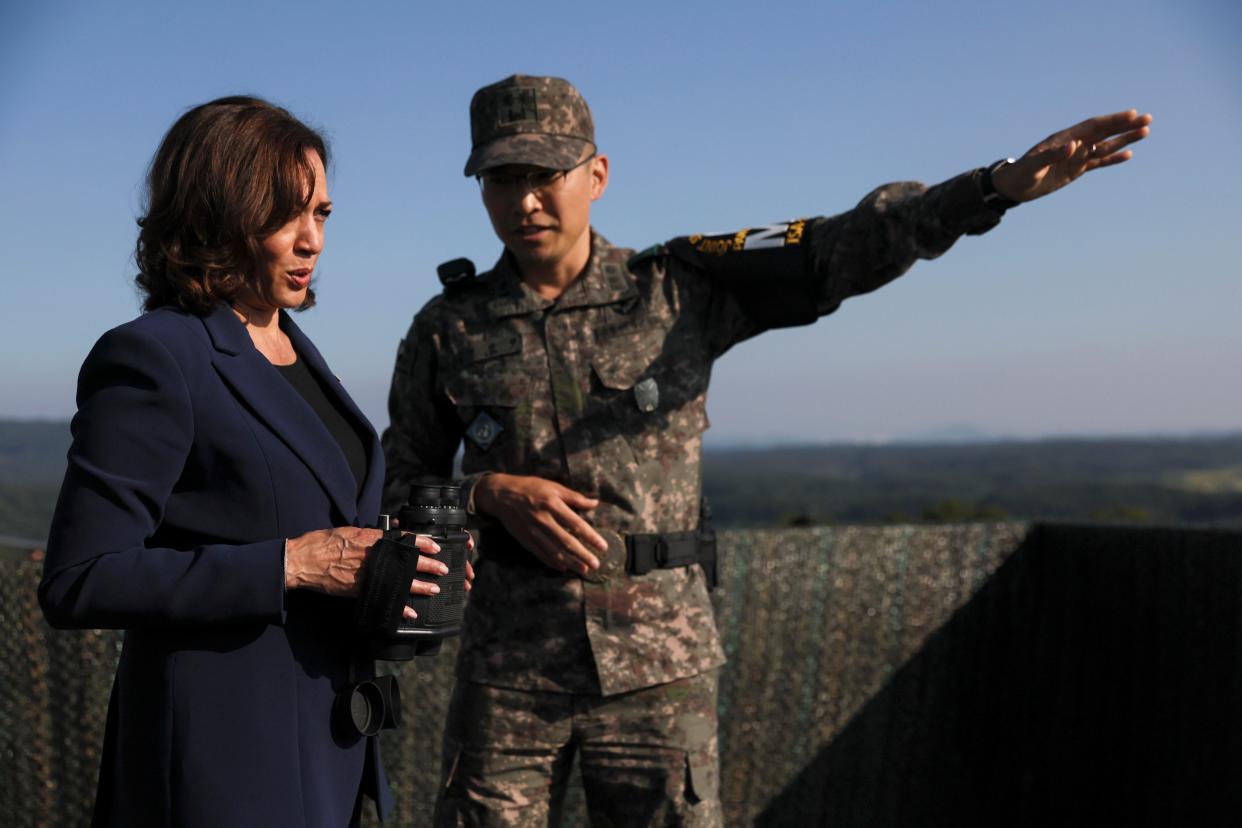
<point x="287" y="258"/>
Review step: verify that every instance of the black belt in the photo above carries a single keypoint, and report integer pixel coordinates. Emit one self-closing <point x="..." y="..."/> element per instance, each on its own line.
<point x="643" y="552"/>
<point x="669" y="550"/>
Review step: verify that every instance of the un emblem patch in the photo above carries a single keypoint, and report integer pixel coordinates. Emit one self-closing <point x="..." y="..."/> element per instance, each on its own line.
<point x="484" y="430"/>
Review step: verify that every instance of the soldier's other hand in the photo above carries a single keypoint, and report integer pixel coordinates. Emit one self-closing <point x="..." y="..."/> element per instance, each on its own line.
<point x="542" y="515"/>
<point x="1064" y="156"/>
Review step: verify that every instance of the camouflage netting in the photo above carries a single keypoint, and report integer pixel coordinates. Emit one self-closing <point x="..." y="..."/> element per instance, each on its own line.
<point x="960" y="675"/>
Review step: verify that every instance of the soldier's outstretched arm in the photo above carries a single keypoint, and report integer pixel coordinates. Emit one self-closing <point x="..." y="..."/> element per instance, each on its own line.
<point x="897" y="224"/>
<point x="1066" y="155"/>
<point x="793" y="272"/>
<point x="542" y="516"/>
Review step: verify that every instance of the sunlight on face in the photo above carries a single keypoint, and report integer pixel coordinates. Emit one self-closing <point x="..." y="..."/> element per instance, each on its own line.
<point x="288" y="257"/>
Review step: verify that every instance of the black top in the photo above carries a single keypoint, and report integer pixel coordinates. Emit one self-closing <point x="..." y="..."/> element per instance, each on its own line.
<point x="347" y="435"/>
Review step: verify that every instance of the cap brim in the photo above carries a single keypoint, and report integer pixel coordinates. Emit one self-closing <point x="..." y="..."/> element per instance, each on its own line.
<point x="556" y="152"/>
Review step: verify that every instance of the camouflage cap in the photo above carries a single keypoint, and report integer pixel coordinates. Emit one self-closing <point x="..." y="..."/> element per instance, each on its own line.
<point x="528" y="120"/>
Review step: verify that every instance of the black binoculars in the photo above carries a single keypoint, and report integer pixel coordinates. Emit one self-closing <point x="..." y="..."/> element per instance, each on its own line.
<point x="363" y="708"/>
<point x="433" y="509"/>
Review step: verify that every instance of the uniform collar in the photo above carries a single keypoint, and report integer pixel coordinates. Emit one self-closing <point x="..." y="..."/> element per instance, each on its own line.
<point x="604" y="281"/>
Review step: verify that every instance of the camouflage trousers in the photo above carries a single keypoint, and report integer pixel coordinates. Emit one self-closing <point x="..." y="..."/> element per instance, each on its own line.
<point x="647" y="758"/>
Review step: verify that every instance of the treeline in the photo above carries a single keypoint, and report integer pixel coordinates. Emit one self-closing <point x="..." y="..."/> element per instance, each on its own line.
<point x="32" y="463"/>
<point x="1148" y="481"/>
<point x="32" y="453"/>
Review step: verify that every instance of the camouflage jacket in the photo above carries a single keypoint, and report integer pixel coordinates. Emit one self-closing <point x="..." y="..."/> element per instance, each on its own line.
<point x="604" y="390"/>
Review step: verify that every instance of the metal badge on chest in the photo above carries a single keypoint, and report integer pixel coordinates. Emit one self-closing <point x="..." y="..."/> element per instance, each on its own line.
<point x="647" y="395"/>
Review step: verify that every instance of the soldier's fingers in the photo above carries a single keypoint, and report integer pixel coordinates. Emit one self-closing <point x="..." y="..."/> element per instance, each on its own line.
<point x="1104" y="125"/>
<point x="1104" y="149"/>
<point x="578" y="557"/>
<point x="543" y="546"/>
<point x="1115" y="158"/>
<point x="578" y="500"/>
<point x="577" y="526"/>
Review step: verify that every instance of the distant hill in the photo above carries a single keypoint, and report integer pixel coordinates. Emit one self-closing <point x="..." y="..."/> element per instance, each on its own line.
<point x="1136" y="480"/>
<point x="32" y="464"/>
<point x="32" y="452"/>
<point x="1146" y="480"/>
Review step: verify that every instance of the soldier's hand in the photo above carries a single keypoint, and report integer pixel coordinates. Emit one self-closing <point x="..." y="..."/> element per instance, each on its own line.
<point x="1064" y="156"/>
<point x="543" y="516"/>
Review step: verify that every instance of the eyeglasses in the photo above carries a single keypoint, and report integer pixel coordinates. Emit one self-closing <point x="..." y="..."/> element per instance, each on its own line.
<point x="538" y="182"/>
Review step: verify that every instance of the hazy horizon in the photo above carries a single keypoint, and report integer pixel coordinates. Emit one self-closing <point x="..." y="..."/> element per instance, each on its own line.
<point x="948" y="436"/>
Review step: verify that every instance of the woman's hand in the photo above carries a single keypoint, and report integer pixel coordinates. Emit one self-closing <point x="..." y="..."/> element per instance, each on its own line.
<point x="331" y="560"/>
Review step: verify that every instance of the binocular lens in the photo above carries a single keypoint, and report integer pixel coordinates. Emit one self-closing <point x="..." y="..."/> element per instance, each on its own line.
<point x="367" y="707"/>
<point x="427" y="495"/>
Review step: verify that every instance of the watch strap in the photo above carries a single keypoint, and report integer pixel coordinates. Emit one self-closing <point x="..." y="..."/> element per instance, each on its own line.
<point x="987" y="188"/>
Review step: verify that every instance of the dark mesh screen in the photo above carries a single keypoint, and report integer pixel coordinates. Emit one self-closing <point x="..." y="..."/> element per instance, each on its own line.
<point x="957" y="675"/>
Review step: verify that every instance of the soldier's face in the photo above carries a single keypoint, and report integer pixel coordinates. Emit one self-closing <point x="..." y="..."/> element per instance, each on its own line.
<point x="544" y="228"/>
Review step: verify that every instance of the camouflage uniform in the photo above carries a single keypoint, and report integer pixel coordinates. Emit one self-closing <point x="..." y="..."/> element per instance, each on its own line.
<point x="604" y="391"/>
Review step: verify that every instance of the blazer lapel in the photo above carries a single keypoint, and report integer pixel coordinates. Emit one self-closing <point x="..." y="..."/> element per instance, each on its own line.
<point x="273" y="401"/>
<point x="374" y="481"/>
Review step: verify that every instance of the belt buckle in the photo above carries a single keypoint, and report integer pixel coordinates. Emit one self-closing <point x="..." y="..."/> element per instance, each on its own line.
<point x="611" y="562"/>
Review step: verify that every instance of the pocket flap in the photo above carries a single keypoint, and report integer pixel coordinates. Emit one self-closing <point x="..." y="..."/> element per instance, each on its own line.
<point x="493" y="344"/>
<point x="622" y="360"/>
<point x="486" y="389"/>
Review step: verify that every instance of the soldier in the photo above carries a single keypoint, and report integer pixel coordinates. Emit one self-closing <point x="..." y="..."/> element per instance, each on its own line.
<point x="577" y="374"/>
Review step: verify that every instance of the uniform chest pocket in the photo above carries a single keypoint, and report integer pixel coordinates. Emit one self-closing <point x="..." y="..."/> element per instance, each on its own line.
<point x="623" y="358"/>
<point x="650" y="382"/>
<point x="490" y="387"/>
<point x="499" y="386"/>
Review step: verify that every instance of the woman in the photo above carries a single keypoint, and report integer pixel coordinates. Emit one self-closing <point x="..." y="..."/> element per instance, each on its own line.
<point x="217" y="479"/>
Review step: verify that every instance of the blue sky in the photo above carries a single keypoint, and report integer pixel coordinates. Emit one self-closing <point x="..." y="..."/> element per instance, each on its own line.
<point x="1110" y="307"/>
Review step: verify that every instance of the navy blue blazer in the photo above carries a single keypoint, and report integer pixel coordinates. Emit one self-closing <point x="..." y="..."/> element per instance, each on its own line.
<point x="192" y="461"/>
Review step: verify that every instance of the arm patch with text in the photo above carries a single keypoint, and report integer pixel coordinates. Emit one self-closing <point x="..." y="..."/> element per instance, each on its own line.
<point x="767" y="268"/>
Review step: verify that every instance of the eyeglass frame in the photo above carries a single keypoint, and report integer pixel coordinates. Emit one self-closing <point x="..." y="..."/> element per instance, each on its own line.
<point x="554" y="179"/>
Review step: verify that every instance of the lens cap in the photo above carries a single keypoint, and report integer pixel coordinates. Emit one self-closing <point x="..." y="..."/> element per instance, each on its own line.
<point x="359" y="708"/>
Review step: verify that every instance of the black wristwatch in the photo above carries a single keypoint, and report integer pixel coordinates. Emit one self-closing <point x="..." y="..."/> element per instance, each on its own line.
<point x="991" y="197"/>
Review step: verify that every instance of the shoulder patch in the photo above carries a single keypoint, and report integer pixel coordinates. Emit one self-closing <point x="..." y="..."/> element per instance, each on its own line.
<point x="781" y="234"/>
<point x="456" y="274"/>
<point x="655" y="251"/>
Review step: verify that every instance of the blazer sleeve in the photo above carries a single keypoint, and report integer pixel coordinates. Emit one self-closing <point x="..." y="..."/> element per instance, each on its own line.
<point x="131" y="436"/>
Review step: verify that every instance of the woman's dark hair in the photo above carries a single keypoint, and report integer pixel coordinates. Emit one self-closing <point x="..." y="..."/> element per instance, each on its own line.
<point x="226" y="176"/>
